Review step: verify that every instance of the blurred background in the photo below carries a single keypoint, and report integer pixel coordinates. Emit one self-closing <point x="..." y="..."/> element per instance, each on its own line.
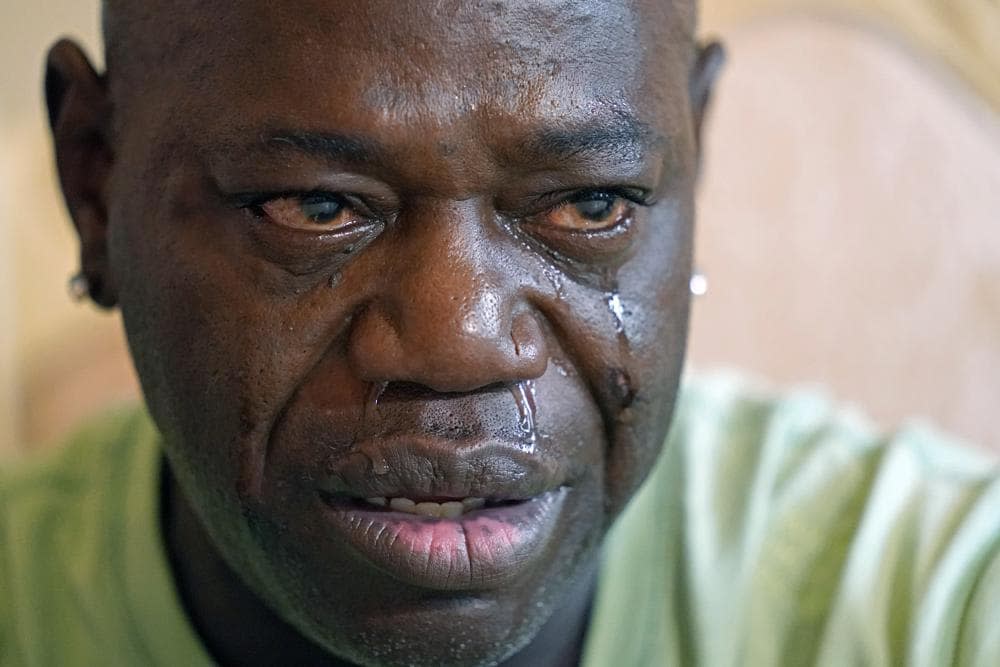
<point x="849" y="224"/>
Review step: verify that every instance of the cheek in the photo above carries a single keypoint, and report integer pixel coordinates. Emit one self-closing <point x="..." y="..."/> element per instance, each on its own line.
<point x="218" y="351"/>
<point x="658" y="337"/>
<point x="630" y="340"/>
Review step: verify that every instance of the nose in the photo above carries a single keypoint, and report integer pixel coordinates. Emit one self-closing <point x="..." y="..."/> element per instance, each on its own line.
<point x="451" y="315"/>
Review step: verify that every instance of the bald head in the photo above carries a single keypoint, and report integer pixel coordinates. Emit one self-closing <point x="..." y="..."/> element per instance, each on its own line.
<point x="122" y="20"/>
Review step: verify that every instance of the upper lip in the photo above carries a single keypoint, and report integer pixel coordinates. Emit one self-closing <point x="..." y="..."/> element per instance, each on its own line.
<point x="418" y="467"/>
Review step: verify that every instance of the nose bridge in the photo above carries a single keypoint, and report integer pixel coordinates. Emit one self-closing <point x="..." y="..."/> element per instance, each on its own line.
<point x="450" y="279"/>
<point x="454" y="304"/>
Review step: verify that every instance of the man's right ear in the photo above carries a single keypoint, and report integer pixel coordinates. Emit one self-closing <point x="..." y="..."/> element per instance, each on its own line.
<point x="80" y="118"/>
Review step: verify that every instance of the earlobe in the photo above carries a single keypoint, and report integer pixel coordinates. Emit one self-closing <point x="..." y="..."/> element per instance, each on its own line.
<point x="79" y="116"/>
<point x="708" y="64"/>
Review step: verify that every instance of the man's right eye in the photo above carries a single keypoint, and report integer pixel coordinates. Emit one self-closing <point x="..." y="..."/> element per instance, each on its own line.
<point x="312" y="212"/>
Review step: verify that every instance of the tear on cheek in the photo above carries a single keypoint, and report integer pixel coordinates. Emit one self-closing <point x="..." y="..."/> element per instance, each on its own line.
<point x="622" y="388"/>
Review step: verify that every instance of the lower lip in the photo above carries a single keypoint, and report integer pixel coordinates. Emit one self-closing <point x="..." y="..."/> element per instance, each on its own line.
<point x="481" y="550"/>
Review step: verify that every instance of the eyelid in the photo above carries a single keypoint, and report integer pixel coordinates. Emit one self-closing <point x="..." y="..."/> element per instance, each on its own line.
<point x="253" y="201"/>
<point x="637" y="196"/>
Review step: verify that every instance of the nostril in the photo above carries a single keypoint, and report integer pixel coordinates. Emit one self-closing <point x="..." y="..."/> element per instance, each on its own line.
<point x="414" y="391"/>
<point x="402" y="391"/>
<point x="528" y="339"/>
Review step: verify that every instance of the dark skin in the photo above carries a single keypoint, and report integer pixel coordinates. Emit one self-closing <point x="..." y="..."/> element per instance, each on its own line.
<point x="343" y="236"/>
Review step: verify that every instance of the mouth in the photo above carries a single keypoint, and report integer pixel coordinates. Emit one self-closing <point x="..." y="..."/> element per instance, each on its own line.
<point x="445" y="515"/>
<point x="436" y="508"/>
<point x="447" y="544"/>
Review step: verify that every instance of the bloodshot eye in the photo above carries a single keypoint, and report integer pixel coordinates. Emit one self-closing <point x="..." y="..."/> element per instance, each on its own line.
<point x="589" y="212"/>
<point x="312" y="212"/>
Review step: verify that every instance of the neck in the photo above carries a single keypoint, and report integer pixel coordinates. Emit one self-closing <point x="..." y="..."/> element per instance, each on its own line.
<point x="237" y="628"/>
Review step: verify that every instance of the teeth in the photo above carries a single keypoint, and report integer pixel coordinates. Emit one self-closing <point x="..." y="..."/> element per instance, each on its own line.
<point x="449" y="510"/>
<point x="403" y="505"/>
<point x="470" y="504"/>
<point x="428" y="509"/>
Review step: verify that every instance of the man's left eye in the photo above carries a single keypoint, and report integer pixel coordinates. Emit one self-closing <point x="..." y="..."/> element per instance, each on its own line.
<point x="589" y="212"/>
<point x="310" y="212"/>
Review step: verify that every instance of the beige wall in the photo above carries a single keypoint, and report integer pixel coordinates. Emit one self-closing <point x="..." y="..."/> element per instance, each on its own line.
<point x="847" y="230"/>
<point x="964" y="34"/>
<point x="39" y="328"/>
<point x="9" y="387"/>
<point x="849" y="225"/>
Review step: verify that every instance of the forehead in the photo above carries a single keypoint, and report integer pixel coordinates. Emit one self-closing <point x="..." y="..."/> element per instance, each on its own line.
<point x="441" y="68"/>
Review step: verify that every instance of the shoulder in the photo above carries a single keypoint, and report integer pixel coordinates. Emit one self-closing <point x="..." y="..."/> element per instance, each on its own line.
<point x="789" y="438"/>
<point x="814" y="533"/>
<point x="76" y="460"/>
<point x="58" y="517"/>
<point x="39" y="498"/>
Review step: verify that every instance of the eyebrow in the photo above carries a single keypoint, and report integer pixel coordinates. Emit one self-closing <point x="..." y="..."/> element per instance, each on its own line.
<point x="623" y="138"/>
<point x="328" y="146"/>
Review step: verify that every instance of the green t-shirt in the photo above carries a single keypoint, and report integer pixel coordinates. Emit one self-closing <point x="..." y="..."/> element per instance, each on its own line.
<point x="771" y="532"/>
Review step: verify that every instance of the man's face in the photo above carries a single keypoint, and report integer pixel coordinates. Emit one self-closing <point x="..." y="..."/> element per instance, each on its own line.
<point x="432" y="252"/>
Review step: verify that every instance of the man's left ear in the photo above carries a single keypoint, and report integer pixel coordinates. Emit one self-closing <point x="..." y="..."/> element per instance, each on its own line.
<point x="704" y="73"/>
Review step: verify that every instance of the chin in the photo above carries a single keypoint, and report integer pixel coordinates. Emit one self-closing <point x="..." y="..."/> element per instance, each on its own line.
<point x="456" y="630"/>
<point x="385" y="623"/>
<point x="468" y="634"/>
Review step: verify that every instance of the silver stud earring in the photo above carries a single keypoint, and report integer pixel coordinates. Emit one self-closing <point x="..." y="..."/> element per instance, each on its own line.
<point x="79" y="287"/>
<point x="699" y="283"/>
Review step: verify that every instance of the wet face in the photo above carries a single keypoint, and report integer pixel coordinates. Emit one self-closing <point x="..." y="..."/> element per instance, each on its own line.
<point x="407" y="294"/>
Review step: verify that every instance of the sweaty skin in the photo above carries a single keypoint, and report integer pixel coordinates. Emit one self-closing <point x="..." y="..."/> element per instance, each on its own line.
<point x="382" y="249"/>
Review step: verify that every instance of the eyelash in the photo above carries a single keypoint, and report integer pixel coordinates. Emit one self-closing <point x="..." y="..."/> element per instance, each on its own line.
<point x="254" y="202"/>
<point x="555" y="200"/>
